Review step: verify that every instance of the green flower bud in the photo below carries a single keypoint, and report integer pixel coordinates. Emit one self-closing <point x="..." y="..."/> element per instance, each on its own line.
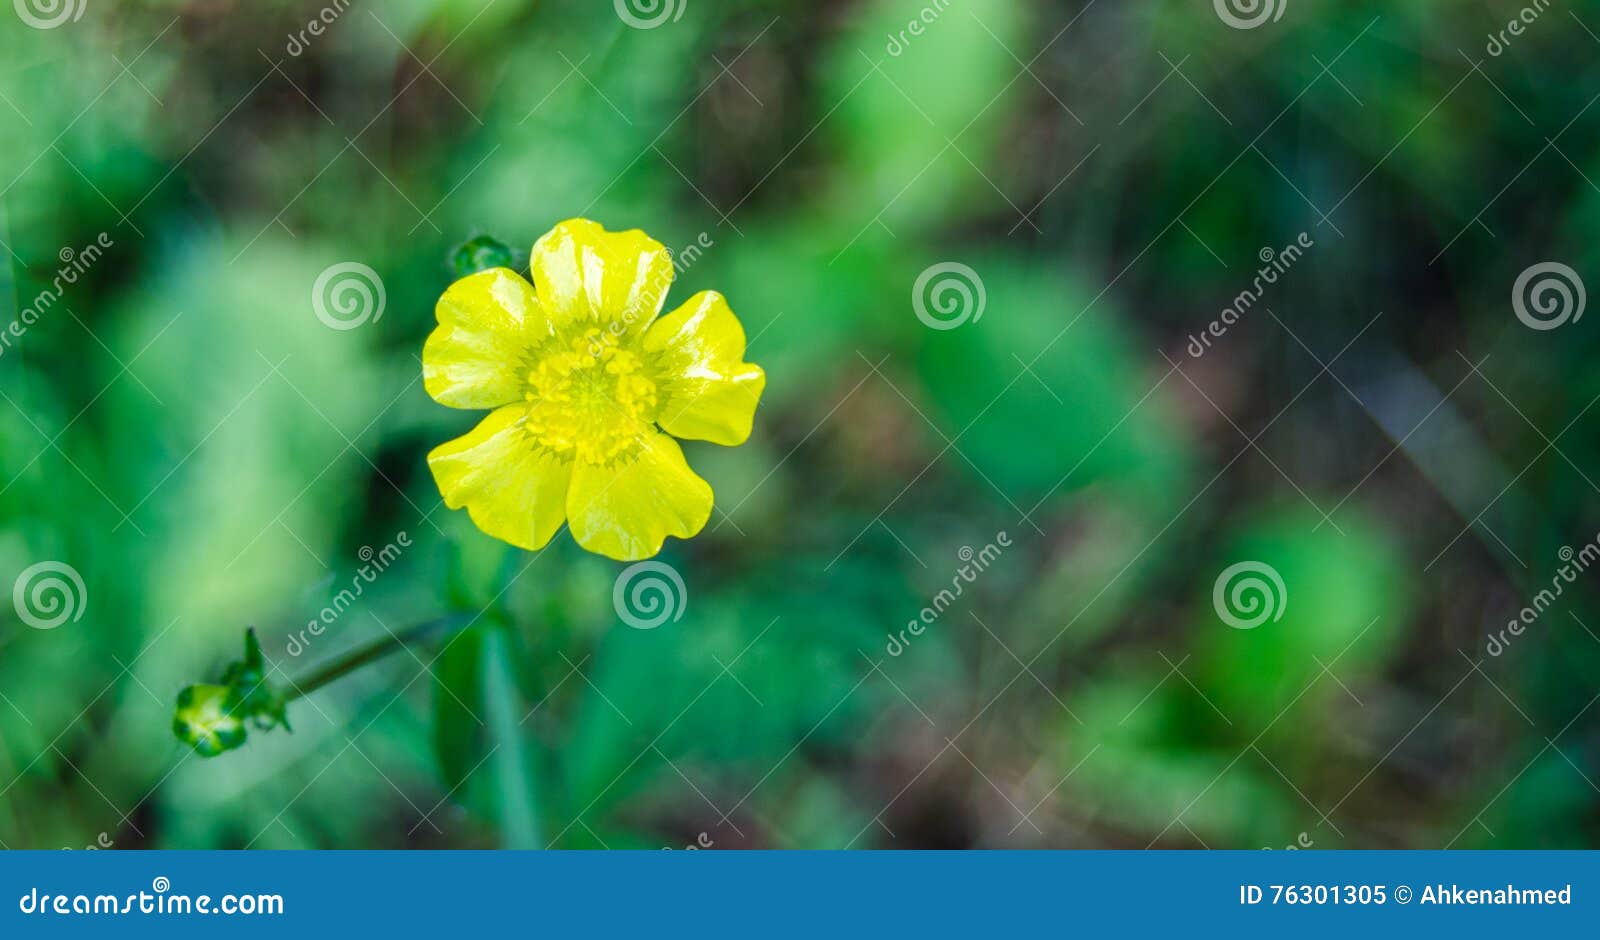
<point x="480" y="254"/>
<point x="205" y="720"/>
<point x="216" y="718"/>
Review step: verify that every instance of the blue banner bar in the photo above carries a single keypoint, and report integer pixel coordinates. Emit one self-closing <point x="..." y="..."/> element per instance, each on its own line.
<point x="174" y="894"/>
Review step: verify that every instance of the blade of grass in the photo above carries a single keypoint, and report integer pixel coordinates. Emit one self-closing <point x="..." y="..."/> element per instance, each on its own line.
<point x="519" y="818"/>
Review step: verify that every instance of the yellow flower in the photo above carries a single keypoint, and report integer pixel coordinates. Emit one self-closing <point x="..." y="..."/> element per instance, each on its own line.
<point x="588" y="389"/>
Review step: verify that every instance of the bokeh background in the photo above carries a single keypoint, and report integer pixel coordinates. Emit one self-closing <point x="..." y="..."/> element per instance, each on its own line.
<point x="1379" y="429"/>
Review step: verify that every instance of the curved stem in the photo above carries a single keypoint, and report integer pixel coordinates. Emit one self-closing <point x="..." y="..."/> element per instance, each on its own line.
<point x="371" y="652"/>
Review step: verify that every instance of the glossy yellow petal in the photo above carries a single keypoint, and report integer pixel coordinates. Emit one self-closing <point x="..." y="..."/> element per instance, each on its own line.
<point x="708" y="392"/>
<point x="477" y="358"/>
<point x="625" y="511"/>
<point x="588" y="277"/>
<point x="512" y="490"/>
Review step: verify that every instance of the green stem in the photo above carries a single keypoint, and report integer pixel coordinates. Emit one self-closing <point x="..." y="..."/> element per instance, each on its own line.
<point x="372" y="652"/>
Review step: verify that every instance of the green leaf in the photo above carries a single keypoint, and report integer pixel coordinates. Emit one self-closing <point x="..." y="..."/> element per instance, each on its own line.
<point x="510" y="757"/>
<point x="459" y="737"/>
<point x="479" y="738"/>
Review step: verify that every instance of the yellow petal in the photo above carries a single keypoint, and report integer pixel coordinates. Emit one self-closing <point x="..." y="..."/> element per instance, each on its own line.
<point x="588" y="277"/>
<point x="511" y="490"/>
<point x="476" y="357"/>
<point x="626" y="511"/>
<point x="708" y="392"/>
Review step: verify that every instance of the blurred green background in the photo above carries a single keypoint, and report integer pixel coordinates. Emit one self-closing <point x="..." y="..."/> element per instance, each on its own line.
<point x="182" y="430"/>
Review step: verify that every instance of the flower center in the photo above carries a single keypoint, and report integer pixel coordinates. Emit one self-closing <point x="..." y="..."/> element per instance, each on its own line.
<point x="588" y="399"/>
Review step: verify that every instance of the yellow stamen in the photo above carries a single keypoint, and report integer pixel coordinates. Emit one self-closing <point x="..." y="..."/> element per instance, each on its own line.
<point x="589" y="399"/>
